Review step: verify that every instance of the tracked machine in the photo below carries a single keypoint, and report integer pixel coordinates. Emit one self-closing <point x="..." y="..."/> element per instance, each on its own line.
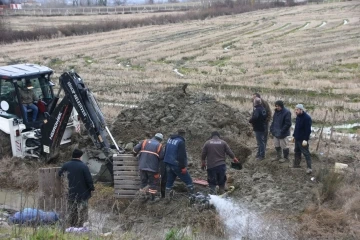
<point x="58" y="117"/>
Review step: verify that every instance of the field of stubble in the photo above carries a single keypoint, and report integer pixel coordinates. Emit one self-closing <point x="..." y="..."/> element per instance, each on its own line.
<point x="305" y="54"/>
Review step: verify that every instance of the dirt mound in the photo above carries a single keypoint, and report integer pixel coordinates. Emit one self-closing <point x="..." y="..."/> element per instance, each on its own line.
<point x="198" y="113"/>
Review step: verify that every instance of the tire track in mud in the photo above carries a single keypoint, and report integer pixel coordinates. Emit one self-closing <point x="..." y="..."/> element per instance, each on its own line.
<point x="165" y="39"/>
<point x="198" y="43"/>
<point x="220" y="38"/>
<point x="295" y="29"/>
<point x="273" y="30"/>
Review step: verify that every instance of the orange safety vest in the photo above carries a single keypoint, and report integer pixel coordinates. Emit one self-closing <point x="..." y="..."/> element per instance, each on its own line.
<point x="155" y="153"/>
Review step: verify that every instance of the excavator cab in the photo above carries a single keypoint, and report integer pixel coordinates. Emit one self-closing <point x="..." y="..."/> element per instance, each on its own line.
<point x="15" y="81"/>
<point x="27" y="100"/>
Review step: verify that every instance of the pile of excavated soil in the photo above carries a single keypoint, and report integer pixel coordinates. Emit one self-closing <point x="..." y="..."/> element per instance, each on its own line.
<point x="199" y="114"/>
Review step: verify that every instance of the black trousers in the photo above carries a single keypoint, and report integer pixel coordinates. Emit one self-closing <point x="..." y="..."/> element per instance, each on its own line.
<point x="163" y="178"/>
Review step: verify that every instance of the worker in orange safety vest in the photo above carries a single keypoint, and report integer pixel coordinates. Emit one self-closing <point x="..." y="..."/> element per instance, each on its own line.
<point x="150" y="153"/>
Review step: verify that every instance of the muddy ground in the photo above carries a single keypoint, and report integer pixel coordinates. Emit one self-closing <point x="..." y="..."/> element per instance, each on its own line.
<point x="279" y="194"/>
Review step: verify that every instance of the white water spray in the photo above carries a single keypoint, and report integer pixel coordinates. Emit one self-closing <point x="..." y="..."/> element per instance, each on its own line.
<point x="242" y="223"/>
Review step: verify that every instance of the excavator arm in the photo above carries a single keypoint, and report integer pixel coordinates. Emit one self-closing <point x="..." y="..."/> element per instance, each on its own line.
<point x="78" y="96"/>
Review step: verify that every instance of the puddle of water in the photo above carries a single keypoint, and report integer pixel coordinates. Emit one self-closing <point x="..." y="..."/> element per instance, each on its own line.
<point x="242" y="223"/>
<point x="178" y="73"/>
<point x="327" y="130"/>
<point x="322" y="24"/>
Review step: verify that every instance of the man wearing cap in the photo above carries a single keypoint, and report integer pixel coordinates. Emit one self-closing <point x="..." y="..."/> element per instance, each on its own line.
<point x="28" y="97"/>
<point x="150" y="153"/>
<point x="257" y="120"/>
<point x="214" y="153"/>
<point x="280" y="129"/>
<point x="265" y="104"/>
<point x="301" y="136"/>
<point x="80" y="187"/>
<point x="176" y="163"/>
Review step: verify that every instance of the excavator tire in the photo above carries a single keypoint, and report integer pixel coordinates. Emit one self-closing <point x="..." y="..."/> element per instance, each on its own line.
<point x="5" y="145"/>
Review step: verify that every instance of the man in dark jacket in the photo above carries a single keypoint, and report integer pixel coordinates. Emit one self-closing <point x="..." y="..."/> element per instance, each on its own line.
<point x="151" y="153"/>
<point x="258" y="121"/>
<point x="80" y="187"/>
<point x="176" y="163"/>
<point x="280" y="129"/>
<point x="301" y="136"/>
<point x="265" y="104"/>
<point x="214" y="152"/>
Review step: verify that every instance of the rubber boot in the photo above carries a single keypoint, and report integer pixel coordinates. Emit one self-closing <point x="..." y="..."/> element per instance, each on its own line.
<point x="212" y="190"/>
<point x="286" y="154"/>
<point x="297" y="160"/>
<point x="154" y="198"/>
<point x="278" y="154"/>
<point x="221" y="190"/>
<point x="169" y="194"/>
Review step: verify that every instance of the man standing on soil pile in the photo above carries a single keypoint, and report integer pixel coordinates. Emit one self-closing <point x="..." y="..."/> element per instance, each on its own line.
<point x="151" y="153"/>
<point x="258" y="122"/>
<point x="176" y="163"/>
<point x="214" y="152"/>
<point x="265" y="104"/>
<point x="280" y="129"/>
<point x="301" y="136"/>
<point x="80" y="187"/>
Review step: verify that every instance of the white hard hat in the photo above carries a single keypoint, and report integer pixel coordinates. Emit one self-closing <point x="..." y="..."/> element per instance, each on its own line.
<point x="159" y="136"/>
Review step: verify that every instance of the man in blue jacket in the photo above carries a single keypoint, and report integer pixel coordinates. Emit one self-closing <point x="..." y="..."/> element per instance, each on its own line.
<point x="80" y="187"/>
<point x="301" y="136"/>
<point x="176" y="163"/>
<point x="151" y="153"/>
<point x="280" y="129"/>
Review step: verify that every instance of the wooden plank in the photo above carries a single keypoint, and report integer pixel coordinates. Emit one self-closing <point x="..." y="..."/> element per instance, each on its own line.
<point x="50" y="190"/>
<point x="126" y="192"/>
<point x="131" y="168"/>
<point x="127" y="186"/>
<point x="122" y="177"/>
<point x="125" y="163"/>
<point x="124" y="196"/>
<point x="123" y="156"/>
<point x="127" y="173"/>
<point x="126" y="182"/>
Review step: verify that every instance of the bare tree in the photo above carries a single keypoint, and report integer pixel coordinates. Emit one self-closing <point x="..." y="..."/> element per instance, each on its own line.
<point x="120" y="2"/>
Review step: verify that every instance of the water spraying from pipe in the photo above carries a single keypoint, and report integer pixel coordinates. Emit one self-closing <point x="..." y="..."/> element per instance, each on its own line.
<point x="242" y="223"/>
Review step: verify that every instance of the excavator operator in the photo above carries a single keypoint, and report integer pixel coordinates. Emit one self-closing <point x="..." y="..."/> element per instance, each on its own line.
<point x="28" y="98"/>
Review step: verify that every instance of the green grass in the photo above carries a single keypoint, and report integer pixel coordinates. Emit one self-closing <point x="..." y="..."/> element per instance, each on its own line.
<point x="272" y="71"/>
<point x="55" y="62"/>
<point x="176" y="234"/>
<point x="89" y="60"/>
<point x="185" y="70"/>
<point x="220" y="62"/>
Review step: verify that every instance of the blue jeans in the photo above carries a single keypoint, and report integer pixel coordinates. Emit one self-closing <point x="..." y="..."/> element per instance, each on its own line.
<point x="260" y="139"/>
<point x="217" y="176"/>
<point x="172" y="172"/>
<point x="34" y="109"/>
